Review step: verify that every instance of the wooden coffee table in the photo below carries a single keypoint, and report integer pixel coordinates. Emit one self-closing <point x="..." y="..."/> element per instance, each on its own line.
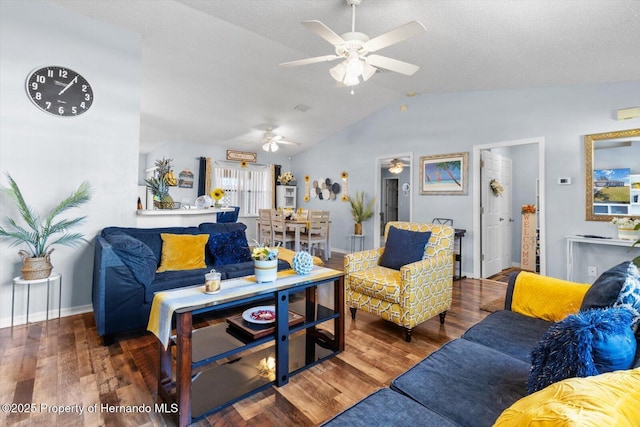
<point x="215" y="366"/>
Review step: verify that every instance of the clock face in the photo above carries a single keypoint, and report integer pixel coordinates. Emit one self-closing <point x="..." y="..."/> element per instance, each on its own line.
<point x="59" y="91"/>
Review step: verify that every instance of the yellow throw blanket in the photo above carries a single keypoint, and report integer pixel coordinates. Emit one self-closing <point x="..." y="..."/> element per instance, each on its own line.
<point x="545" y="297"/>
<point x="287" y="255"/>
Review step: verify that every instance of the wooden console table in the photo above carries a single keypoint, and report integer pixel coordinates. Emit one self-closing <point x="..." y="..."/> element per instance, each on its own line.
<point x="215" y="368"/>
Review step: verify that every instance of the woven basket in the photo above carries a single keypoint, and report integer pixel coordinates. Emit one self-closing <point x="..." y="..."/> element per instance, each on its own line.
<point x="36" y="268"/>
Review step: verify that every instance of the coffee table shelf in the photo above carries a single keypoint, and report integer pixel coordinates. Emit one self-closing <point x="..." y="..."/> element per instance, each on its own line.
<point x="215" y="366"/>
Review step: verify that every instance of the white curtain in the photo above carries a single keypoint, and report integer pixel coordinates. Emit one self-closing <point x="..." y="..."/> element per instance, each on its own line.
<point x="248" y="187"/>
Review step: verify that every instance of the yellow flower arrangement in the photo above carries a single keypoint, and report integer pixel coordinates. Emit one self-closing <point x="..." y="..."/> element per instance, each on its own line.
<point x="286" y="178"/>
<point x="528" y="209"/>
<point x="217" y="193"/>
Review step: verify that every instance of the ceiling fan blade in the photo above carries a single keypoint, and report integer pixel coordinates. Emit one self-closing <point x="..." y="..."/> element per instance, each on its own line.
<point x="323" y="31"/>
<point x="286" y="141"/>
<point x="307" y="61"/>
<point x="404" y="32"/>
<point x="392" y="64"/>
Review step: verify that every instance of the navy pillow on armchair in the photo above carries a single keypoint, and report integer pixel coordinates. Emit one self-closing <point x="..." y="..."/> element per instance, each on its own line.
<point x="403" y="247"/>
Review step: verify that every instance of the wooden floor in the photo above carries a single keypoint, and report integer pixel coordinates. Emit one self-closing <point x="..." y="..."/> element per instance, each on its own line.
<point x="63" y="363"/>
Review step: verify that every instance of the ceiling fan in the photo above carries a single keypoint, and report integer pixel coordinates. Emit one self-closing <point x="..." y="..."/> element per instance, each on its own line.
<point x="396" y="166"/>
<point x="355" y="47"/>
<point x="270" y="141"/>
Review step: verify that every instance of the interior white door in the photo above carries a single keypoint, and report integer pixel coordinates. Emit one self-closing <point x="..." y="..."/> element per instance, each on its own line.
<point x="495" y="214"/>
<point x="391" y="199"/>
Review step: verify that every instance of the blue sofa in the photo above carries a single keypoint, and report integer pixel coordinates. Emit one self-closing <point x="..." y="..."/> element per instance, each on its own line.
<point x="125" y="263"/>
<point x="473" y="380"/>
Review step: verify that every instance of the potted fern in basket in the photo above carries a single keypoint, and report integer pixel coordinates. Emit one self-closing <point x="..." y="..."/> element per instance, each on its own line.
<point x="39" y="236"/>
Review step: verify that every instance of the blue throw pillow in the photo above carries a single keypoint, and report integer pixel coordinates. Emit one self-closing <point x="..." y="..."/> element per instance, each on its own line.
<point x="403" y="247"/>
<point x="229" y="248"/>
<point x="629" y="296"/>
<point x="589" y="343"/>
<point x="137" y="256"/>
<point x="604" y="291"/>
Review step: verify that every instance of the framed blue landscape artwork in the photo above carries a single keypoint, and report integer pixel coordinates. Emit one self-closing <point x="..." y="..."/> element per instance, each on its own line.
<point x="444" y="174"/>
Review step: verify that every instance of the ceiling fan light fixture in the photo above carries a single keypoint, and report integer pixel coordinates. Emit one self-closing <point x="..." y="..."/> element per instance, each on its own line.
<point x="270" y="146"/>
<point x="396" y="166"/>
<point x="354" y="64"/>
<point x="369" y="70"/>
<point x="338" y="72"/>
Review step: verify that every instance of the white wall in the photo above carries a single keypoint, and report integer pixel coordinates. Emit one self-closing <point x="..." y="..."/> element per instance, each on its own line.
<point x="50" y="156"/>
<point x="447" y="123"/>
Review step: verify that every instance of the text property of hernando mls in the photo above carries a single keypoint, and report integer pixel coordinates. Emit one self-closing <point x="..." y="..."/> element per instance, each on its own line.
<point x="22" y="408"/>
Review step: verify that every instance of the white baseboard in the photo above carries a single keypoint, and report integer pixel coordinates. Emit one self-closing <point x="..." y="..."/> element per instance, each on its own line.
<point x="40" y="316"/>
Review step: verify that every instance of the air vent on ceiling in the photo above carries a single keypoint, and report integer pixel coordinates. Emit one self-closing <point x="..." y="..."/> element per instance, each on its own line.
<point x="302" y="108"/>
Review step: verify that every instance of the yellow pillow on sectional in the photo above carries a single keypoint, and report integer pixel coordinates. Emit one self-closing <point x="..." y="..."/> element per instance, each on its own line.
<point x="545" y="297"/>
<point x="611" y="399"/>
<point x="182" y="251"/>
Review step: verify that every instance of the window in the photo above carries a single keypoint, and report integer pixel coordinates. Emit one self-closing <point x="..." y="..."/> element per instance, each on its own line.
<point x="248" y="188"/>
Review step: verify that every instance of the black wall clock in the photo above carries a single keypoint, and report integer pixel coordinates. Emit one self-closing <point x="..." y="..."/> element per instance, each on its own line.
<point x="59" y="91"/>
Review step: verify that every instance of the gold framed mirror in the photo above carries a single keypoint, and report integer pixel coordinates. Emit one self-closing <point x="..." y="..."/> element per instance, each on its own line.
<point x="612" y="175"/>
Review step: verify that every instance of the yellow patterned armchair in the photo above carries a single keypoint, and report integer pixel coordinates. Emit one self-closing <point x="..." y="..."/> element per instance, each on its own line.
<point x="415" y="293"/>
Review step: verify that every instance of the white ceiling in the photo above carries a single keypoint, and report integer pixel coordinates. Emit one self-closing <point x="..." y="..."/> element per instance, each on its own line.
<point x="210" y="71"/>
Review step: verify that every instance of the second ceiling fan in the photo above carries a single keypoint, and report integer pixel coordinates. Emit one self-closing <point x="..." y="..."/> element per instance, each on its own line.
<point x="270" y="141"/>
<point x="355" y="48"/>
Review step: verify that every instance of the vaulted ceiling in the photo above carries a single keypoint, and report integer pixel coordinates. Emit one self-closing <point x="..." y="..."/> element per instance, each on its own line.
<point x="210" y="71"/>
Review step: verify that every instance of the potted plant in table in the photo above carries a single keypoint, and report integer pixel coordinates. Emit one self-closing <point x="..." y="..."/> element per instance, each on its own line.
<point x="38" y="235"/>
<point x="360" y="211"/>
<point x="627" y="227"/>
<point x="265" y="262"/>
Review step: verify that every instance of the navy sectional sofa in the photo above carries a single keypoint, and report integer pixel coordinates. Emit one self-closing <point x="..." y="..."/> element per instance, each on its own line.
<point x="469" y="381"/>
<point x="125" y="263"/>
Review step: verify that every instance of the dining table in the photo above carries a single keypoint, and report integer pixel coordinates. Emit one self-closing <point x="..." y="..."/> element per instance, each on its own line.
<point x="298" y="226"/>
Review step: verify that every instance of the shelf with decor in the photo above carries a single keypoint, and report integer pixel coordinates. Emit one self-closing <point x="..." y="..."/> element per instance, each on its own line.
<point x="286" y="196"/>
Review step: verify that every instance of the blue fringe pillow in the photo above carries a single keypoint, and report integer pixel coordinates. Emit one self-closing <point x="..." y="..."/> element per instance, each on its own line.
<point x="589" y="343"/>
<point x="229" y="248"/>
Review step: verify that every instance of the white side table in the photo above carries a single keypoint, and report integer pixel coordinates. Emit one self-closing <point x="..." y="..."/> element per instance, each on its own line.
<point x="48" y="280"/>
<point x="357" y="240"/>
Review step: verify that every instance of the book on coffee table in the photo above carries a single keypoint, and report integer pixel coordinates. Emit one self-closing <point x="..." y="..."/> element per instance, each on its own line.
<point x="255" y="330"/>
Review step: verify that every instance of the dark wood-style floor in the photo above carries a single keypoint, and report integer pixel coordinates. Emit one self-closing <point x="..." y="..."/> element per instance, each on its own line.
<point x="63" y="363"/>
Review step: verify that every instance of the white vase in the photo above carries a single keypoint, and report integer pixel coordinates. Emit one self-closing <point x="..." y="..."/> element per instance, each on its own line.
<point x="266" y="271"/>
<point x="628" y="233"/>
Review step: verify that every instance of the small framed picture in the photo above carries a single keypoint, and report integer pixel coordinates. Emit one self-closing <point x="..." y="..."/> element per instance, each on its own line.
<point x="444" y="174"/>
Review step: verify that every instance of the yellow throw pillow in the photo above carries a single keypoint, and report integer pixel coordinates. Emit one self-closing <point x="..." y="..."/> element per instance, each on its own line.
<point x="182" y="252"/>
<point x="546" y="297"/>
<point x="611" y="399"/>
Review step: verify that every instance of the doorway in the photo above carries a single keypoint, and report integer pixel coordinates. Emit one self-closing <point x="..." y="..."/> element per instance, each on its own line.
<point x="389" y="202"/>
<point x="393" y="193"/>
<point x="495" y="213"/>
<point x="490" y="244"/>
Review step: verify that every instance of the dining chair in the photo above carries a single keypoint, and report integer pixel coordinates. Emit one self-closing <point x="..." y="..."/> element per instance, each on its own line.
<point x="231" y="216"/>
<point x="317" y="231"/>
<point x="279" y="228"/>
<point x="265" y="235"/>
